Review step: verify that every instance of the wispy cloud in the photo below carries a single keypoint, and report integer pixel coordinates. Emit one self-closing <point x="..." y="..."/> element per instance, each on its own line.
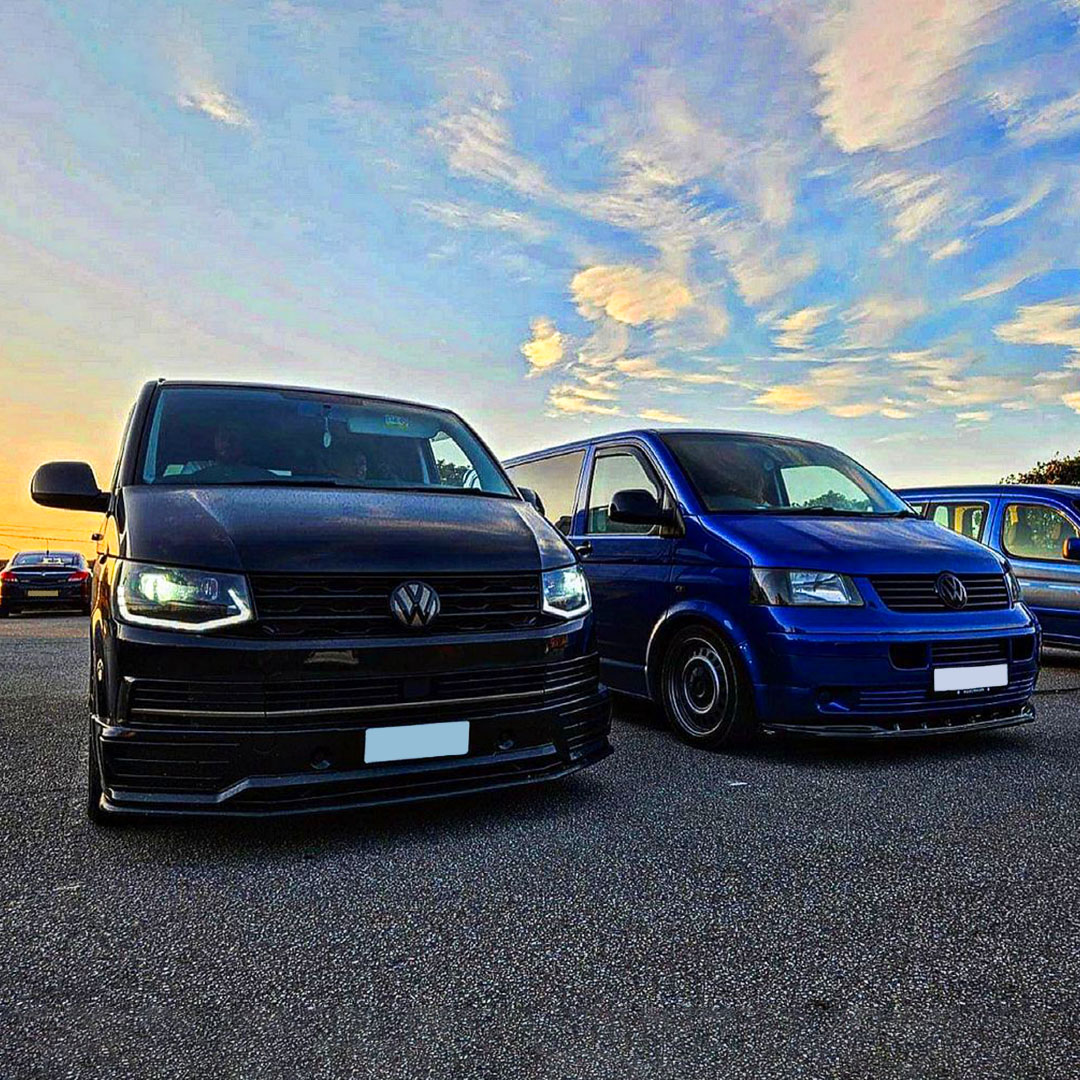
<point x="472" y="216"/>
<point x="629" y="294"/>
<point x="1055" y="322"/>
<point x="875" y="323"/>
<point x="476" y="137"/>
<point x="216" y="104"/>
<point x="545" y="348"/>
<point x="797" y="329"/>
<point x="915" y="201"/>
<point x="661" y="416"/>
<point x="570" y="399"/>
<point x="1057" y="120"/>
<point x="890" y="70"/>
<point x="950" y="249"/>
<point x="1018" y="209"/>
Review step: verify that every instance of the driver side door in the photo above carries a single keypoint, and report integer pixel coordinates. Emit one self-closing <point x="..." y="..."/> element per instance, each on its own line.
<point x="629" y="567"/>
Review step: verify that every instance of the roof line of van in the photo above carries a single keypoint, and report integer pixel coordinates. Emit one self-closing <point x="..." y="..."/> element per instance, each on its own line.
<point x="616" y="436"/>
<point x="1068" y="490"/>
<point x="237" y="384"/>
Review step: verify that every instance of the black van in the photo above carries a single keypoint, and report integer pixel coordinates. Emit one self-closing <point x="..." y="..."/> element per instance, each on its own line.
<point x="308" y="600"/>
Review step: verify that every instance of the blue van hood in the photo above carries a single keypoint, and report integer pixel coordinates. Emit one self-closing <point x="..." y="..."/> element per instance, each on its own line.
<point x="231" y="527"/>
<point x="870" y="545"/>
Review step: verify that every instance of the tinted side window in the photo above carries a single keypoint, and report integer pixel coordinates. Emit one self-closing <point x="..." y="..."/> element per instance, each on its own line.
<point x="1030" y="531"/>
<point x="555" y="480"/>
<point x="967" y="519"/>
<point x="618" y="472"/>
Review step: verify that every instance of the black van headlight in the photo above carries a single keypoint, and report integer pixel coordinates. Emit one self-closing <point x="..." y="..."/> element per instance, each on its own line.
<point x="174" y="599"/>
<point x="1013" y="583"/>
<point x="803" y="588"/>
<point x="566" y="592"/>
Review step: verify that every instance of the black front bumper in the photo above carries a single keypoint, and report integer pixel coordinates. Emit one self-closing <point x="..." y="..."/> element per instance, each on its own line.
<point x="986" y="720"/>
<point x="240" y="730"/>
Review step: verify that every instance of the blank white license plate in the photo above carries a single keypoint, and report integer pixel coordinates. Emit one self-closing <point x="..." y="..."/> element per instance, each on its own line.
<point x="42" y="592"/>
<point x="413" y="741"/>
<point x="970" y="678"/>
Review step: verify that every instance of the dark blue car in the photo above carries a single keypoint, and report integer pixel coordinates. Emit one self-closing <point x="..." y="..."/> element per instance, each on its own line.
<point x="749" y="581"/>
<point x="1037" y="527"/>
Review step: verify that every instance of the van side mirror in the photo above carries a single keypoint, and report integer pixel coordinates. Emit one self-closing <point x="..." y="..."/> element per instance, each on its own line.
<point x="533" y="500"/>
<point x="68" y="485"/>
<point x="1071" y="548"/>
<point x="634" y="506"/>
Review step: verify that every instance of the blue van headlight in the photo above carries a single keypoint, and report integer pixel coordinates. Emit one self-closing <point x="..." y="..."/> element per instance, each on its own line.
<point x="175" y="599"/>
<point x="803" y="588"/>
<point x="566" y="592"/>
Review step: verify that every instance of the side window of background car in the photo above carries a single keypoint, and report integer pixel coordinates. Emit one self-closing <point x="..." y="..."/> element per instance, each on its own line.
<point x="967" y="519"/>
<point x="613" y="472"/>
<point x="555" y="480"/>
<point x="1031" y="531"/>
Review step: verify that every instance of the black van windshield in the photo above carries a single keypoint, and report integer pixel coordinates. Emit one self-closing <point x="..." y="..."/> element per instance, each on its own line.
<point x="743" y="474"/>
<point x="246" y="435"/>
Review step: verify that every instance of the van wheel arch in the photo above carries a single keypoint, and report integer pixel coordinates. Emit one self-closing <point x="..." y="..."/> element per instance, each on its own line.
<point x="744" y="723"/>
<point x="661" y="639"/>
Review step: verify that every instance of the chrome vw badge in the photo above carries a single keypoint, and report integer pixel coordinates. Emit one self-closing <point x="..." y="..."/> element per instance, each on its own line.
<point x="951" y="590"/>
<point x="414" y="604"/>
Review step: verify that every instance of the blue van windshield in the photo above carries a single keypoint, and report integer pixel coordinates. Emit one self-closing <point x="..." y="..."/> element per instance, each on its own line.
<point x="755" y="474"/>
<point x="201" y="435"/>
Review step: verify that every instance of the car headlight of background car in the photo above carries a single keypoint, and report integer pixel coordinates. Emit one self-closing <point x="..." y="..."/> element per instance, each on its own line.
<point x="566" y="592"/>
<point x="803" y="588"/>
<point x="176" y="599"/>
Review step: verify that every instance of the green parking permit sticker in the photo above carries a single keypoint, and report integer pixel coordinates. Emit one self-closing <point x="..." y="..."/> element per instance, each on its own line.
<point x="398" y="422"/>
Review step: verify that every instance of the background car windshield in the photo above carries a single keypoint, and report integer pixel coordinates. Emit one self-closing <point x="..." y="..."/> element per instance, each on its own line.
<point x="235" y="435"/>
<point x="737" y="473"/>
<point x="47" y="558"/>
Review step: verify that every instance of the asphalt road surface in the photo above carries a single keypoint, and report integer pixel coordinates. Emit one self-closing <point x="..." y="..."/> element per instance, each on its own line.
<point x="792" y="911"/>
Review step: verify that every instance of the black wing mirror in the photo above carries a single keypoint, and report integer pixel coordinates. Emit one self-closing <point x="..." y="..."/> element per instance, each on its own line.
<point x="68" y="485"/>
<point x="533" y="499"/>
<point x="1071" y="548"/>
<point x="638" y="507"/>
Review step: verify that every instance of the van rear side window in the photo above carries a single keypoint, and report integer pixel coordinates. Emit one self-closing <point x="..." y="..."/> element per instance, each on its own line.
<point x="555" y="480"/>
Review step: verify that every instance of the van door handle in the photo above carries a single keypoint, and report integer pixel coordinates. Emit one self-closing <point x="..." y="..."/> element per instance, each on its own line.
<point x="584" y="548"/>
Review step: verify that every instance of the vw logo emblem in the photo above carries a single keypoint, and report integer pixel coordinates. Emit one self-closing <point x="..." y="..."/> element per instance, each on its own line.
<point x="951" y="590"/>
<point x="414" y="604"/>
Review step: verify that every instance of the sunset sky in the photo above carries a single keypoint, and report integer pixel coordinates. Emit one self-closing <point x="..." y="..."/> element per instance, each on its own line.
<point x="858" y="222"/>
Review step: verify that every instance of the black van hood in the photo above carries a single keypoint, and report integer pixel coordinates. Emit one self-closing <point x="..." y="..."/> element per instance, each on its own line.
<point x="313" y="530"/>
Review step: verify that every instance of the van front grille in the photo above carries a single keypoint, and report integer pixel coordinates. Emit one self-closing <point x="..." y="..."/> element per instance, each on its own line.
<point x="358" y="605"/>
<point x="918" y="592"/>
<point x="332" y="702"/>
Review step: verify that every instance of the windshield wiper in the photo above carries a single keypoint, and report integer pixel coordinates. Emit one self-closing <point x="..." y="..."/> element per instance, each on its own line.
<point x="818" y="511"/>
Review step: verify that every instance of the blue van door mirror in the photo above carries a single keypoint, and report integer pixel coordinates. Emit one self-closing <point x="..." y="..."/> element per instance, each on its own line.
<point x="1071" y="548"/>
<point x="635" y="506"/>
<point x="68" y="485"/>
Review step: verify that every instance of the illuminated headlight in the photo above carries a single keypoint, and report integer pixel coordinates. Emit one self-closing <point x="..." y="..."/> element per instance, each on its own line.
<point x="566" y="592"/>
<point x="195" y="600"/>
<point x="803" y="588"/>
<point x="1014" y="585"/>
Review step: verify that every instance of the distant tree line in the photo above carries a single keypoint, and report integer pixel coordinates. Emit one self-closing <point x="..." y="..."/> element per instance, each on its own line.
<point x="1058" y="470"/>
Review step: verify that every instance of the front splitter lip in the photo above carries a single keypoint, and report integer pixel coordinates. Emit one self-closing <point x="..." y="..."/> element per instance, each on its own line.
<point x="592" y="754"/>
<point x="1025" y="714"/>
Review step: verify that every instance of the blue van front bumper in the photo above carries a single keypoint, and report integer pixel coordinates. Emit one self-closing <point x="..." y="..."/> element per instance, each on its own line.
<point x="871" y="683"/>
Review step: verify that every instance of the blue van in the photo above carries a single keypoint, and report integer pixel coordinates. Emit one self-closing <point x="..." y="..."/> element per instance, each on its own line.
<point x="1035" y="526"/>
<point x="751" y="582"/>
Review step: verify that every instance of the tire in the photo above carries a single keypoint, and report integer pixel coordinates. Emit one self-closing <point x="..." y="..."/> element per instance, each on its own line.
<point x="703" y="691"/>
